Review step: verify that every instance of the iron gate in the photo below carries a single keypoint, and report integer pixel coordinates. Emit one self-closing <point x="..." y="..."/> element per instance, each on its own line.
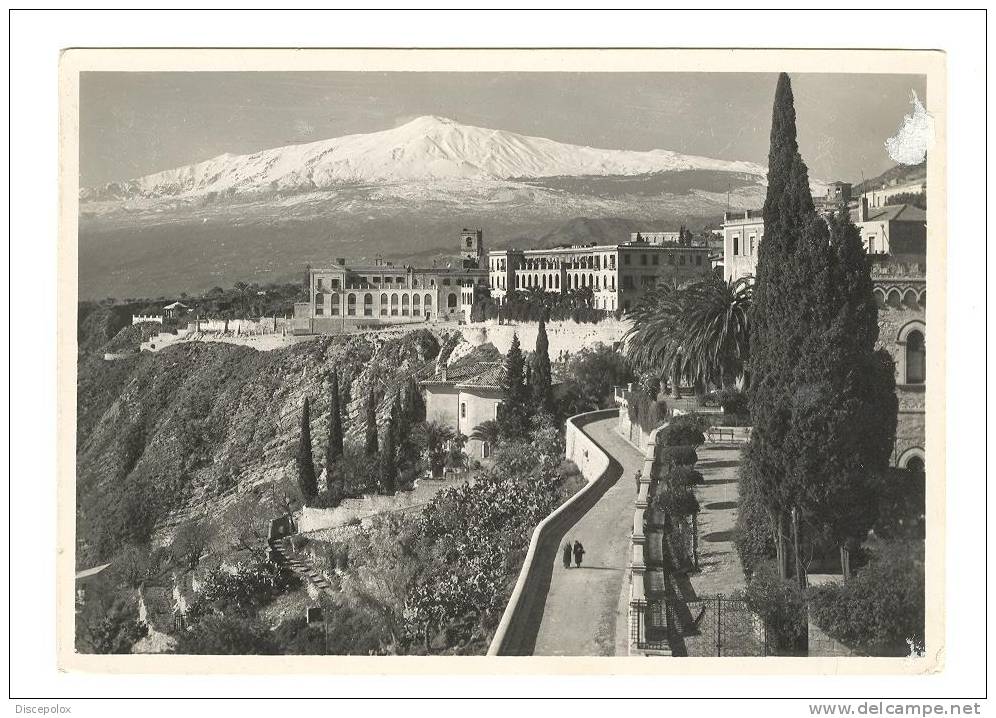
<point x="712" y="626"/>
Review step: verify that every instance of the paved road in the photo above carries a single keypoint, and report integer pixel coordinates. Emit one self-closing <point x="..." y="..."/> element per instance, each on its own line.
<point x="586" y="609"/>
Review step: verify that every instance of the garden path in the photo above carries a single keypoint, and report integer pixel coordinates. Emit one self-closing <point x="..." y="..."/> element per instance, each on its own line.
<point x="586" y="610"/>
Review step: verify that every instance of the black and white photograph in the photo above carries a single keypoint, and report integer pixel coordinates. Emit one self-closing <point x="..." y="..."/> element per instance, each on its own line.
<point x="505" y="363"/>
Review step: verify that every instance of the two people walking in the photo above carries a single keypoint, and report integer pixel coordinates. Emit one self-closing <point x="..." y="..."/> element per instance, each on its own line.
<point x="577" y="550"/>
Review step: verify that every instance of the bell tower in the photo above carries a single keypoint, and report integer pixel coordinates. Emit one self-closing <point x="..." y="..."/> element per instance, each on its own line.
<point x="472" y="248"/>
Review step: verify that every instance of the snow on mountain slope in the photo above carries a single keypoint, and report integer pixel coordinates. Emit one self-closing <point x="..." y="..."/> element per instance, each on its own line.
<point x="427" y="149"/>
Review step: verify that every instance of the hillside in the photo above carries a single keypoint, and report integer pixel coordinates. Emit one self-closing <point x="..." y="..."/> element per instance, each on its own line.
<point x="201" y="427"/>
<point x="900" y="174"/>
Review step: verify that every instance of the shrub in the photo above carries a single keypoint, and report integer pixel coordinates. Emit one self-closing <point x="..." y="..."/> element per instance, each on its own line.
<point x="349" y="632"/>
<point x="686" y="476"/>
<point x="732" y="400"/>
<point x="782" y="607"/>
<point x="881" y="610"/>
<point x="902" y="505"/>
<point x="679" y="456"/>
<point x="644" y="411"/>
<point x="684" y="430"/>
<point x="753" y="536"/>
<point x="250" y="587"/>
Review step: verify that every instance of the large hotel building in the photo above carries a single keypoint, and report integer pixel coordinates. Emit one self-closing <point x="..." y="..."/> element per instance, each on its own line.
<point x="618" y="274"/>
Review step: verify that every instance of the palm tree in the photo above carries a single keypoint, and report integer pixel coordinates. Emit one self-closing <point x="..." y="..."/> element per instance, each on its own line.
<point x="487" y="432"/>
<point x="654" y="340"/>
<point x="717" y="330"/>
<point x="698" y="333"/>
<point x="434" y="437"/>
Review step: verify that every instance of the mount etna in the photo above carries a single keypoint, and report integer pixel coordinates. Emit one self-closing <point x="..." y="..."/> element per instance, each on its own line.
<point x="402" y="193"/>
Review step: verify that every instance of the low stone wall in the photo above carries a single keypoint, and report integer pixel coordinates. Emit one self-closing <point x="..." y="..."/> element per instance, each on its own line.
<point x="566" y="337"/>
<point x="516" y="634"/>
<point x="354" y="510"/>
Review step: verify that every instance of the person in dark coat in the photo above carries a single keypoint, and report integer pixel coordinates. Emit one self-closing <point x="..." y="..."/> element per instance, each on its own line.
<point x="567" y="554"/>
<point x="578" y="553"/>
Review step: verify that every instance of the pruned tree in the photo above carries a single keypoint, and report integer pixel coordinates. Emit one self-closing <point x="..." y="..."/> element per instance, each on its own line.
<point x="307" y="480"/>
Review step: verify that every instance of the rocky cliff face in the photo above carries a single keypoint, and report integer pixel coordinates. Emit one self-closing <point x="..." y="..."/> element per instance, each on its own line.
<point x="194" y="428"/>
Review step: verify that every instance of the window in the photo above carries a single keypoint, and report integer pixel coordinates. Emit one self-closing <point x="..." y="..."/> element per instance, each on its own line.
<point x="643" y="260"/>
<point x="446" y="282"/>
<point x="736" y="245"/>
<point x="627" y="282"/>
<point x="657" y="260"/>
<point x="399" y="280"/>
<point x="871" y="244"/>
<point x="394" y="305"/>
<point x="319" y="305"/>
<point x="916" y="358"/>
<point x="485" y="450"/>
<point x="376" y="280"/>
<point x="334" y="284"/>
<point x="750" y="244"/>
<point x="319" y="287"/>
<point x="351" y="305"/>
<point x="368" y="305"/>
<point x="625" y="259"/>
<point x="383" y="305"/>
<point x="612" y="261"/>
<point x="463" y="410"/>
<point x="335" y="305"/>
<point x="404" y="305"/>
<point x="451" y="301"/>
<point x="428" y="301"/>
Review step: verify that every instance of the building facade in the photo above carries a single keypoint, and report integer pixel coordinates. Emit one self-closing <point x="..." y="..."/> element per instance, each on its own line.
<point x="343" y="295"/>
<point x="617" y="274"/>
<point x="464" y="398"/>
<point x="742" y="233"/>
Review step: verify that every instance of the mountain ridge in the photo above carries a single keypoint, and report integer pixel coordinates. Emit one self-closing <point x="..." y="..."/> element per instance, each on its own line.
<point x="426" y="149"/>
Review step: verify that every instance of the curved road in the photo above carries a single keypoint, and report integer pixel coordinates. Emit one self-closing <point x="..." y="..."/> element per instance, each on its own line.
<point x="586" y="609"/>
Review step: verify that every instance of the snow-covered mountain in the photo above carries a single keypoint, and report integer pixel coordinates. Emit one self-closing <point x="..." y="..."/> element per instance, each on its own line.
<point x="427" y="150"/>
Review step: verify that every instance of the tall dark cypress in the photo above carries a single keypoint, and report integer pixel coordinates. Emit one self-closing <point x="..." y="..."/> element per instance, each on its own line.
<point x="513" y="416"/>
<point x="388" y="460"/>
<point x="371" y="427"/>
<point x="778" y="318"/>
<point x="306" y="478"/>
<point x="334" y="480"/>
<point x="844" y="415"/>
<point x="542" y="379"/>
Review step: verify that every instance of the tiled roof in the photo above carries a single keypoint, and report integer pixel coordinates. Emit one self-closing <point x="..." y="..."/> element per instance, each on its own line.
<point x="893" y="213"/>
<point x="485" y="374"/>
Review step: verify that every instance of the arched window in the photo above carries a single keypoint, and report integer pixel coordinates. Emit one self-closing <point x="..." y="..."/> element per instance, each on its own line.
<point x="894" y="299"/>
<point x="451" y="301"/>
<point x="368" y="305"/>
<point x="416" y="303"/>
<point x="351" y="305"/>
<point x="335" y="305"/>
<point x="394" y="305"/>
<point x="923" y="299"/>
<point x="880" y="298"/>
<point x="915" y="465"/>
<point x="428" y="301"/>
<point x="319" y="305"/>
<point x="544" y="281"/>
<point x="909" y="299"/>
<point x="916" y="358"/>
<point x="383" y="305"/>
<point x="404" y="305"/>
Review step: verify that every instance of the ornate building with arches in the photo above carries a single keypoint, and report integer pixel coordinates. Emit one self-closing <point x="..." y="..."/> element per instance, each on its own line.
<point x="901" y="292"/>
<point x="344" y="295"/>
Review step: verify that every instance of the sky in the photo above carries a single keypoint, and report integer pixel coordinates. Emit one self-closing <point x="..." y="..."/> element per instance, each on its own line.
<point x="133" y="124"/>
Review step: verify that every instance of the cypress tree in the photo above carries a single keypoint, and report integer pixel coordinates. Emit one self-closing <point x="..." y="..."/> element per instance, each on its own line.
<point x="306" y="479"/>
<point x="542" y="379"/>
<point x="371" y="427"/>
<point x="844" y="416"/>
<point x="334" y="481"/>
<point x="514" y="414"/>
<point x="779" y="318"/>
<point x="388" y="460"/>
<point x="414" y="403"/>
